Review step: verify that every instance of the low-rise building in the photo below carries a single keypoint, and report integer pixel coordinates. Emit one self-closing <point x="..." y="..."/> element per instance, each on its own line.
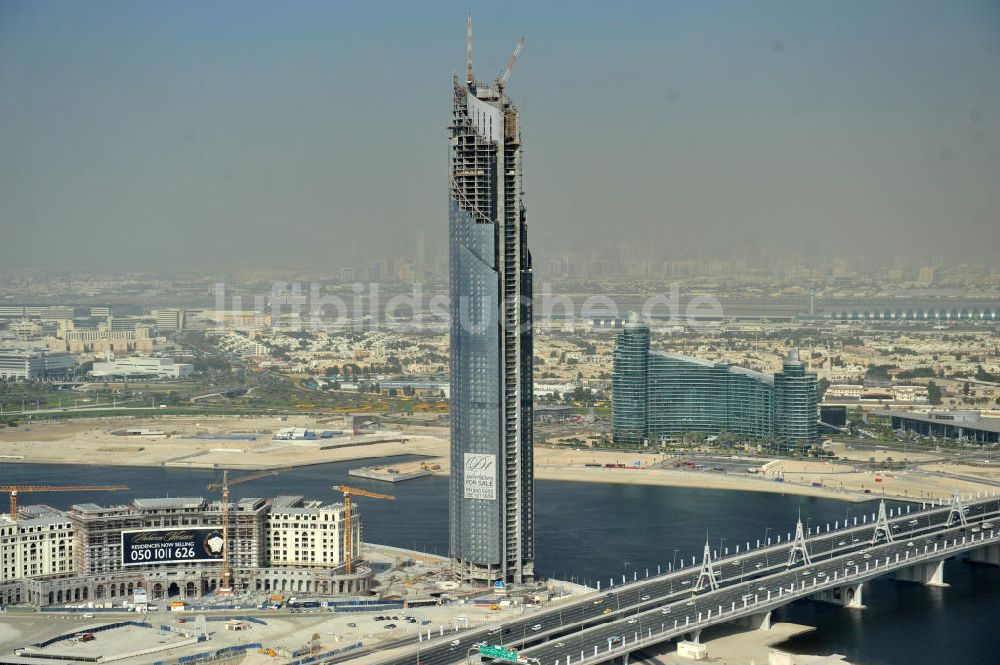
<point x="309" y="534"/>
<point x="34" y="365"/>
<point x="136" y="367"/>
<point x="38" y="546"/>
<point x="287" y="544"/>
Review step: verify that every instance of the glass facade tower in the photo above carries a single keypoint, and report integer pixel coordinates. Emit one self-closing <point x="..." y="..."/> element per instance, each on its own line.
<point x="629" y="400"/>
<point x="491" y="507"/>
<point x="660" y="396"/>
<point x="795" y="403"/>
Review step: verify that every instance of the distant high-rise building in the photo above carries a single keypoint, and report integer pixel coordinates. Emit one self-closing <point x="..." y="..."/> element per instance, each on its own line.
<point x="491" y="505"/>
<point x="795" y="403"/>
<point x="660" y="396"/>
<point x="629" y="399"/>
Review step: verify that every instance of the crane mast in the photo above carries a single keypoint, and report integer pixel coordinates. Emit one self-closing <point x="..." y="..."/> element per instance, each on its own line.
<point x="224" y="486"/>
<point x="348" y="533"/>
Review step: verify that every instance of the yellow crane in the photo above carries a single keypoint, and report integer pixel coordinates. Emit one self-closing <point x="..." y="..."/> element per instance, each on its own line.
<point x="14" y="490"/>
<point x="348" y="492"/>
<point x="224" y="486"/>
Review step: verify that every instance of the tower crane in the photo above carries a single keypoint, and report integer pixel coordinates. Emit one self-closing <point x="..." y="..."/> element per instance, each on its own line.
<point x="224" y="486"/>
<point x="14" y="490"/>
<point x="502" y="79"/>
<point x="348" y="492"/>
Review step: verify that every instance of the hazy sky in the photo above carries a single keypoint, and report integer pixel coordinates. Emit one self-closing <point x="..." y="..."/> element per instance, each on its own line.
<point x="144" y="134"/>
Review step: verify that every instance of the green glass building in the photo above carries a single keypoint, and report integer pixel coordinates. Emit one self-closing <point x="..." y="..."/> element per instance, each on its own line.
<point x="795" y="403"/>
<point x="658" y="397"/>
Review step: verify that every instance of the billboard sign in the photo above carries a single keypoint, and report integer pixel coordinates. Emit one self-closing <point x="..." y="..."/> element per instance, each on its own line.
<point x="171" y="545"/>
<point x="480" y="476"/>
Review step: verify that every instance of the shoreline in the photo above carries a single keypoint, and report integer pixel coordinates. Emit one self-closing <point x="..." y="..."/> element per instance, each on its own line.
<point x="683" y="479"/>
<point x="649" y="477"/>
<point x="211" y="444"/>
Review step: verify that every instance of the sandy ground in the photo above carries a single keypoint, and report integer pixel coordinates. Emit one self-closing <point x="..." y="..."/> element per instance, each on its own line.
<point x="844" y="451"/>
<point x="93" y="442"/>
<point x="281" y="630"/>
<point x="748" y="648"/>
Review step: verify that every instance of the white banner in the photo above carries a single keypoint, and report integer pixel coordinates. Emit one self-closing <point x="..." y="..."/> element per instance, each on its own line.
<point x="480" y="476"/>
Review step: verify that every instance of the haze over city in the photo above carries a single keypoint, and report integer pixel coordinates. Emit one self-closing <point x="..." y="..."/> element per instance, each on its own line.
<point x="194" y="134"/>
<point x="505" y="334"/>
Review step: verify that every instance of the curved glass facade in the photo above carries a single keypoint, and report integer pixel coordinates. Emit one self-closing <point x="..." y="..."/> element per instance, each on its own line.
<point x="795" y="403"/>
<point x="660" y="396"/>
<point x="629" y="399"/>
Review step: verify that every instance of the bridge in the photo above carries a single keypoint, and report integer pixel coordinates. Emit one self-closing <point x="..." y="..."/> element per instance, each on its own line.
<point x="745" y="584"/>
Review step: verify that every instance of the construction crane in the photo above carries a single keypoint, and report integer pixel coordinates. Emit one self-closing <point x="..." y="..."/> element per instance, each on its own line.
<point x="348" y="492"/>
<point x="502" y="79"/>
<point x="469" y="78"/>
<point x="224" y="486"/>
<point x="14" y="490"/>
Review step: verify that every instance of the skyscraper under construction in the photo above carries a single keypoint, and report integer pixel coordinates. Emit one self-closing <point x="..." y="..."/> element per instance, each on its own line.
<point x="491" y="506"/>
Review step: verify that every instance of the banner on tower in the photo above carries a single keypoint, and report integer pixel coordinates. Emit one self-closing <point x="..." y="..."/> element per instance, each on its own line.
<point x="480" y="476"/>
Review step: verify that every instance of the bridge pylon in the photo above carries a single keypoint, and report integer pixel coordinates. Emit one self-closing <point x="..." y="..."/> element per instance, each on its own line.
<point x="957" y="509"/>
<point x="799" y="548"/>
<point x="707" y="571"/>
<point x="882" y="525"/>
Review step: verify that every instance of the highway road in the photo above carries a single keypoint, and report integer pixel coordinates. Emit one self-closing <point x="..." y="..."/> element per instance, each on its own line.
<point x="623" y="613"/>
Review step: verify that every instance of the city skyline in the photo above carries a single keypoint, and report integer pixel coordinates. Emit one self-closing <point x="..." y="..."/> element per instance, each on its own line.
<point x="801" y="129"/>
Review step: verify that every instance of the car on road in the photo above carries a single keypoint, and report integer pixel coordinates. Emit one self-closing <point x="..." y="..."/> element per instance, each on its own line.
<point x="633" y="620"/>
<point x="599" y="601"/>
<point x="560" y="645"/>
<point x="850" y="563"/>
<point x="646" y="597"/>
<point x="759" y="565"/>
<point x="762" y="588"/>
<point x="665" y="610"/>
<point x="841" y="543"/>
<point x="481" y="643"/>
<point x="686" y="582"/>
<point x="607" y="610"/>
<point x="536" y="627"/>
<point x="352" y="625"/>
<point x="455" y="643"/>
<point x="909" y="544"/>
<point x="389" y="626"/>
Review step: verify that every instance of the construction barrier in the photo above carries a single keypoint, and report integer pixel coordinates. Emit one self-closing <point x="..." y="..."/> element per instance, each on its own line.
<point x="96" y="629"/>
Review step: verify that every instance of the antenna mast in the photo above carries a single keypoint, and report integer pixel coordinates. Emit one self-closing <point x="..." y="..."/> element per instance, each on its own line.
<point x="469" y="78"/>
